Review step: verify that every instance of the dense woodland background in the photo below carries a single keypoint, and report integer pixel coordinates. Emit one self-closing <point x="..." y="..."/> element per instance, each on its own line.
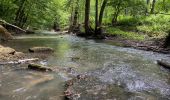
<point x="134" y="19"/>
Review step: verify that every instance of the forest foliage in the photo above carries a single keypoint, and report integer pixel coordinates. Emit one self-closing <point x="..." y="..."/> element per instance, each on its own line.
<point x="129" y="18"/>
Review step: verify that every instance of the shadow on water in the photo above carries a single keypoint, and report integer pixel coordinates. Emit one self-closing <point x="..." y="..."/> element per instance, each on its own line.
<point x="116" y="72"/>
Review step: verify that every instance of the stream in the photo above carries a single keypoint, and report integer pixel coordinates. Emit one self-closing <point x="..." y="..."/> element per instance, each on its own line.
<point x="118" y="73"/>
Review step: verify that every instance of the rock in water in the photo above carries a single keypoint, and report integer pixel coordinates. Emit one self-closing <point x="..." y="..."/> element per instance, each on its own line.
<point x="39" y="67"/>
<point x="8" y="54"/>
<point x="41" y="49"/>
<point x="6" y="50"/>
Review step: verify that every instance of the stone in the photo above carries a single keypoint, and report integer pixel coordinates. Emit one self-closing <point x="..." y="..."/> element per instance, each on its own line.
<point x="41" y="49"/>
<point x="7" y="50"/>
<point x="38" y="67"/>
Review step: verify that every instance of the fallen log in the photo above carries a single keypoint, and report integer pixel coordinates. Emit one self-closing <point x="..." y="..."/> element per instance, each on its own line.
<point x="14" y="26"/>
<point x="163" y="64"/>
<point x="19" y="61"/>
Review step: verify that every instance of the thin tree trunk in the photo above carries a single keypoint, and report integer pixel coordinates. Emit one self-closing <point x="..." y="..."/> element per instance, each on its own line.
<point x="147" y="8"/>
<point x="71" y="21"/>
<point x="96" y="18"/>
<point x="75" y="20"/>
<point x="101" y="15"/>
<point x="87" y="14"/>
<point x="19" y="12"/>
<point x="116" y="14"/>
<point x="153" y="7"/>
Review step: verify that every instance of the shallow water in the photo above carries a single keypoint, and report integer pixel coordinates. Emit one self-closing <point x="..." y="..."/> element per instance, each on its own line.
<point x="125" y="73"/>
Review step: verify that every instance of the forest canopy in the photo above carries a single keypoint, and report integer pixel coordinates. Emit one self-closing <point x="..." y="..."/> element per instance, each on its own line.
<point x="121" y="17"/>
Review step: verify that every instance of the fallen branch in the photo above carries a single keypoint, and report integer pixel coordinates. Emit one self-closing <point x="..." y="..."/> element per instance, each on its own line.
<point x="19" y="61"/>
<point x="14" y="26"/>
<point x="164" y="64"/>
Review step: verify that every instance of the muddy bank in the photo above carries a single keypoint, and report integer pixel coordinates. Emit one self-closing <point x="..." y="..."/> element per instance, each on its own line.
<point x="155" y="45"/>
<point x="147" y="45"/>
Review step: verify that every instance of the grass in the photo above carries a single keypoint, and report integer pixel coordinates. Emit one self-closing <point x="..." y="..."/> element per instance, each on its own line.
<point x="124" y="34"/>
<point x="153" y="26"/>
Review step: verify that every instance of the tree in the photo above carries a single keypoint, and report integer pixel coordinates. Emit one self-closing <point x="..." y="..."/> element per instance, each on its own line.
<point x="153" y="7"/>
<point x="101" y="15"/>
<point x="87" y="14"/>
<point x="96" y="17"/>
<point x="147" y="4"/>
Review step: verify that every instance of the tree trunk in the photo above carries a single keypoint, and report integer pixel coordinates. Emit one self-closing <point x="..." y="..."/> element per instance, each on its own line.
<point x="167" y="41"/>
<point x="87" y="14"/>
<point x="101" y="15"/>
<point x="96" y="18"/>
<point x="20" y="13"/>
<point x="75" y="20"/>
<point x="116" y="14"/>
<point x="153" y="7"/>
<point x="147" y="8"/>
<point x="71" y="20"/>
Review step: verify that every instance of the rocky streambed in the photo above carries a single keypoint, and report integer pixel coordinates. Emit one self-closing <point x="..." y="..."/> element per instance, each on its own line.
<point x="84" y="70"/>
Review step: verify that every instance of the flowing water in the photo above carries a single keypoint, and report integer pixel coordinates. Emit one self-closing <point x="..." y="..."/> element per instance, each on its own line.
<point x="118" y="73"/>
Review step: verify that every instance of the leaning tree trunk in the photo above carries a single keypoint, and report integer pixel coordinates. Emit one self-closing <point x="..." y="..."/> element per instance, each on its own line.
<point x="87" y="14"/>
<point x="153" y="7"/>
<point x="101" y="16"/>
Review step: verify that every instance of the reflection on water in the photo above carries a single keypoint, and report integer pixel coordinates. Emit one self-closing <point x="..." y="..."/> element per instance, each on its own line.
<point x="123" y="72"/>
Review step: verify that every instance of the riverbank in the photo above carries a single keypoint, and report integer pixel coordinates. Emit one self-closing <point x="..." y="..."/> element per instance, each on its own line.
<point x="155" y="45"/>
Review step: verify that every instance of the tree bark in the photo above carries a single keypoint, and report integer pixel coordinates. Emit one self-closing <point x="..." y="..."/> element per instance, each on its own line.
<point x="75" y="20"/>
<point x="87" y="14"/>
<point x="20" y="13"/>
<point x="153" y="7"/>
<point x="96" y="18"/>
<point x="147" y="8"/>
<point x="167" y="41"/>
<point x="116" y="14"/>
<point x="101" y="14"/>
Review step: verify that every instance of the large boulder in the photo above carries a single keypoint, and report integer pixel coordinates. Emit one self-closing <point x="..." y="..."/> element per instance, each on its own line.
<point x="4" y="34"/>
<point x="6" y="50"/>
<point x="41" y="49"/>
<point x="8" y="54"/>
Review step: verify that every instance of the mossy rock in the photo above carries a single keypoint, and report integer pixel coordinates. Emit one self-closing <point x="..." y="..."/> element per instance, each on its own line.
<point x="38" y="67"/>
<point x="41" y="49"/>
